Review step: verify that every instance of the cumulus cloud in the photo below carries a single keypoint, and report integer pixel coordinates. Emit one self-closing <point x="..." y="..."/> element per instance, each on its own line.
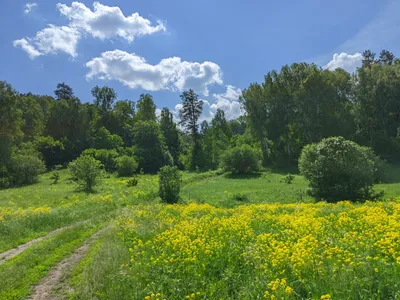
<point x="104" y="22"/>
<point x="27" y="47"/>
<point x="50" y="40"/>
<point x="169" y="74"/>
<point x="348" y="62"/>
<point x="228" y="102"/>
<point x="29" y="7"/>
<point x="107" y="22"/>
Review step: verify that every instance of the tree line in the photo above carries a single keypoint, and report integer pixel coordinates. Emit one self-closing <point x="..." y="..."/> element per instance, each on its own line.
<point x="299" y="105"/>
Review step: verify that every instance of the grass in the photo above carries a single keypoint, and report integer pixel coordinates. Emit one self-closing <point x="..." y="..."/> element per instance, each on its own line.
<point x="114" y="269"/>
<point x="273" y="251"/>
<point x="20" y="273"/>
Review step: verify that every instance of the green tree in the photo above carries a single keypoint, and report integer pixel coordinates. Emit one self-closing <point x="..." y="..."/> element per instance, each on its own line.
<point x="241" y="160"/>
<point x="149" y="146"/>
<point x="338" y="169"/>
<point x="11" y="121"/>
<point x="170" y="133"/>
<point x="103" y="139"/>
<point x="64" y="91"/>
<point x="126" y="165"/>
<point x="169" y="184"/>
<point x="189" y="115"/>
<point x="104" y="98"/>
<point x="25" y="168"/>
<point x="146" y="109"/>
<point x="87" y="172"/>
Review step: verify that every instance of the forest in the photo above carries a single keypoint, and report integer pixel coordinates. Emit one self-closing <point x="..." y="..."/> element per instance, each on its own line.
<point x="298" y="198"/>
<point x="299" y="105"/>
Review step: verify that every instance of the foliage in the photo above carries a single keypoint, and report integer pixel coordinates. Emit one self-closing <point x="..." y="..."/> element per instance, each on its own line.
<point x="338" y="169"/>
<point x="87" y="171"/>
<point x="241" y="159"/>
<point x="104" y="98"/>
<point x="55" y="177"/>
<point x="126" y="165"/>
<point x="169" y="184"/>
<point x="240" y="197"/>
<point x="107" y="157"/>
<point x="189" y="115"/>
<point x="146" y="109"/>
<point x="25" y="168"/>
<point x="149" y="146"/>
<point x="170" y="133"/>
<point x="51" y="150"/>
<point x="132" y="182"/>
<point x="103" y="139"/>
<point x="288" y="179"/>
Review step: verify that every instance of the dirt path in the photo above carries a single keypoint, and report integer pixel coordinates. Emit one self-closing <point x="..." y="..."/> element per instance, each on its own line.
<point x="21" y="248"/>
<point x="43" y="291"/>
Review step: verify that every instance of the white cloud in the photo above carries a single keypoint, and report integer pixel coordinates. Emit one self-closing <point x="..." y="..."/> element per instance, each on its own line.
<point x="29" y="7"/>
<point x="104" y="22"/>
<point x="170" y="73"/>
<point x="228" y="102"/>
<point x="27" y="47"/>
<point x="50" y="40"/>
<point x="348" y="62"/>
<point x="107" y="22"/>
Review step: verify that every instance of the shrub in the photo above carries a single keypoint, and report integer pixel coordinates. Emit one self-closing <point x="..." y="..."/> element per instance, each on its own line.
<point x="25" y="168"/>
<point x="288" y="179"/>
<point x="106" y="156"/>
<point x="132" y="182"/>
<point x="126" y="165"/>
<point x="55" y="177"/>
<point x="240" y="197"/>
<point x="170" y="184"/>
<point x="338" y="169"/>
<point x="87" y="172"/>
<point x="241" y="159"/>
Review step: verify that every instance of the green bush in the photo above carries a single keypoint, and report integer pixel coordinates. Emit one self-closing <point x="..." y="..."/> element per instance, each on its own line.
<point x="126" y="165"/>
<point x="87" y="171"/>
<point x="106" y="156"/>
<point x="25" y="168"/>
<point x="132" y="182"/>
<point x="55" y="177"/>
<point x="241" y="159"/>
<point x="170" y="184"/>
<point x="288" y="179"/>
<point x="338" y="169"/>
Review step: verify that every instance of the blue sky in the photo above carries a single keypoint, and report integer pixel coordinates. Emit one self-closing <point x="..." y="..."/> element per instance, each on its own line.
<point x="163" y="47"/>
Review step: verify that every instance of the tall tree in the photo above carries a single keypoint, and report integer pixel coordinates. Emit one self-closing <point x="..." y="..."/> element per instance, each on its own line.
<point x="11" y="121"/>
<point x="189" y="115"/>
<point x="146" y="109"/>
<point x="104" y="98"/>
<point x="386" y="58"/>
<point x="368" y="58"/>
<point x="64" y="91"/>
<point x="149" y="146"/>
<point x="170" y="133"/>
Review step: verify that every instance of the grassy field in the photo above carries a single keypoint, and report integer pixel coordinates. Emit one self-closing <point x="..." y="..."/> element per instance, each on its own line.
<point x="249" y="237"/>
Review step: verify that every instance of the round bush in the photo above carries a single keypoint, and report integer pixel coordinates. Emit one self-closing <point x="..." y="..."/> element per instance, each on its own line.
<point x="170" y="184"/>
<point x="241" y="159"/>
<point x="87" y="171"/>
<point x="126" y="165"/>
<point x="338" y="169"/>
<point x="106" y="156"/>
<point x="25" y="168"/>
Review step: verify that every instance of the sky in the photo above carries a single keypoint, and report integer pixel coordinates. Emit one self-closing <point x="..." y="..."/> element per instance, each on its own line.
<point x="216" y="47"/>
